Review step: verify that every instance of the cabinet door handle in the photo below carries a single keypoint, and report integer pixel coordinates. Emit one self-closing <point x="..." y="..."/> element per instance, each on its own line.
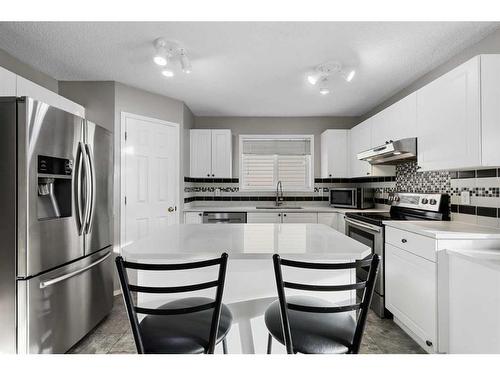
<point x="284" y="214"/>
<point x="213" y="175"/>
<point x="200" y="214"/>
<point x="279" y="215"/>
<point x="404" y="240"/>
<point x="208" y="174"/>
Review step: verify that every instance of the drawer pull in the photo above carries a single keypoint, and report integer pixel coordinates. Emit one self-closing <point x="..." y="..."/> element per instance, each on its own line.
<point x="404" y="240"/>
<point x="45" y="284"/>
<point x="428" y="343"/>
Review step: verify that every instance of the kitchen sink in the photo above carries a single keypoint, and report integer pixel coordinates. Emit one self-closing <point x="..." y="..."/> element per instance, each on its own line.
<point x="279" y="208"/>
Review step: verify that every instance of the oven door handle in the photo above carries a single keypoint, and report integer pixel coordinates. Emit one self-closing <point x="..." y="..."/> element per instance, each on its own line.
<point x="362" y="225"/>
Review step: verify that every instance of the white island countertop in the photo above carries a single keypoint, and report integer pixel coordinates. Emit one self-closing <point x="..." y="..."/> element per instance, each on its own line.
<point x="246" y="241"/>
<point x="446" y="230"/>
<point x="265" y="207"/>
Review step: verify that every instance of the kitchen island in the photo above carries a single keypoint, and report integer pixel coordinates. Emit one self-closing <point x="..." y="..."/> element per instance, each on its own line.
<point x="250" y="284"/>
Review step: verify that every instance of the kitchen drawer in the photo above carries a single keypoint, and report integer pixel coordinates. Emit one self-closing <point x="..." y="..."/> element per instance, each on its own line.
<point x="61" y="306"/>
<point x="422" y="246"/>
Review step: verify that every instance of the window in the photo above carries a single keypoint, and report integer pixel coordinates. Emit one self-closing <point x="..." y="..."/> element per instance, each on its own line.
<point x="265" y="160"/>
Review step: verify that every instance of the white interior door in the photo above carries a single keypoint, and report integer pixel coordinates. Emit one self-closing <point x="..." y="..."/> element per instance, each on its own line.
<point x="150" y="187"/>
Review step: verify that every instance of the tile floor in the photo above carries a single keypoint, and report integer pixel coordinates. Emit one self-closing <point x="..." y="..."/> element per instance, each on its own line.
<point x="113" y="336"/>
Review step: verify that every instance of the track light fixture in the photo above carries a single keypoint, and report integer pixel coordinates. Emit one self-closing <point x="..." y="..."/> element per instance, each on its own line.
<point x="160" y="57"/>
<point x="166" y="52"/>
<point x="185" y="63"/>
<point x="322" y="73"/>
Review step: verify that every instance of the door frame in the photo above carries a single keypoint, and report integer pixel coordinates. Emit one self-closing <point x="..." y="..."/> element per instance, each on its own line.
<point x="123" y="117"/>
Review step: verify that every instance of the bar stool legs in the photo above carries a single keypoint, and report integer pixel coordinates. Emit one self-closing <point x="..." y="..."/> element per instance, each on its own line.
<point x="224" y="346"/>
<point x="269" y="343"/>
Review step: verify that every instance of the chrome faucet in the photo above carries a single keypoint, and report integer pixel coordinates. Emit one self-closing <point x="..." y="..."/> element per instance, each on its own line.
<point x="279" y="188"/>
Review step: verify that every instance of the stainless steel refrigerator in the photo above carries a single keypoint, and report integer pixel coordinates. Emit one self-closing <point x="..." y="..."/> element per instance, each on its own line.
<point x="56" y="275"/>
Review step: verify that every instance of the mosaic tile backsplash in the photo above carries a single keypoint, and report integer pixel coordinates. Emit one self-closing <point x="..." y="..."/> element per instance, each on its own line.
<point x="409" y="179"/>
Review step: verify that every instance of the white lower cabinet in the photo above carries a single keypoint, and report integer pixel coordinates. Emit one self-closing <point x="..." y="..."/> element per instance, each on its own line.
<point x="263" y="217"/>
<point x="330" y="219"/>
<point x="299" y="217"/>
<point x="282" y="217"/>
<point x="193" y="217"/>
<point x="411" y="292"/>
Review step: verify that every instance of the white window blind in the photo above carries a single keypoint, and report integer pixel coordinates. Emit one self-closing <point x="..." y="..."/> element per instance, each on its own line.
<point x="265" y="161"/>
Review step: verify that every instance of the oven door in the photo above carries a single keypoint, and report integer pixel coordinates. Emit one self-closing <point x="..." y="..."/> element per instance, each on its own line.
<point x="372" y="236"/>
<point x="343" y="197"/>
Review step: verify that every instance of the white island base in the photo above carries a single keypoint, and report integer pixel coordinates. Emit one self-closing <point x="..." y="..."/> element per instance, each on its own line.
<point x="250" y="284"/>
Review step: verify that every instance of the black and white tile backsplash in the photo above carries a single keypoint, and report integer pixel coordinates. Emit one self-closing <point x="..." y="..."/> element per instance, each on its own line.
<point x="409" y="179"/>
<point x="483" y="185"/>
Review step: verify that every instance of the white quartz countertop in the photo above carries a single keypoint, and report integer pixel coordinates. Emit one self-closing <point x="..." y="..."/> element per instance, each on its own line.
<point x="285" y="208"/>
<point x="449" y="230"/>
<point x="246" y="241"/>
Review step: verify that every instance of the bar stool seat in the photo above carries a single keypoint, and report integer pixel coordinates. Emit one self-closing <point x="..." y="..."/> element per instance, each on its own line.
<point x="330" y="333"/>
<point x="185" y="333"/>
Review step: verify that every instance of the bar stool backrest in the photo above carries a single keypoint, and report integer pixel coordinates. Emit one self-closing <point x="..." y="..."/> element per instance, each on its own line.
<point x="361" y="307"/>
<point x="133" y="310"/>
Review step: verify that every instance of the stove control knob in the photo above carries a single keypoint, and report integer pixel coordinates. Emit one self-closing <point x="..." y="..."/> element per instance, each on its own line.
<point x="425" y="201"/>
<point x="432" y="202"/>
<point x="396" y="198"/>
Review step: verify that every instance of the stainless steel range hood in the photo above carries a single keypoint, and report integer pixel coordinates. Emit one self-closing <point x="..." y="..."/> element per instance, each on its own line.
<point x="391" y="153"/>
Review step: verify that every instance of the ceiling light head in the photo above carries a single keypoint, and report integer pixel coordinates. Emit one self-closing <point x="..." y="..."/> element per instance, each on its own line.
<point x="349" y="75"/>
<point x="167" y="73"/>
<point x="324" y="91"/>
<point x="185" y="63"/>
<point x="313" y="78"/>
<point x="160" y="57"/>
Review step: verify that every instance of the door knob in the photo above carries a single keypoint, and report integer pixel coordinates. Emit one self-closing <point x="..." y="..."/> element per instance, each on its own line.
<point x="170" y="209"/>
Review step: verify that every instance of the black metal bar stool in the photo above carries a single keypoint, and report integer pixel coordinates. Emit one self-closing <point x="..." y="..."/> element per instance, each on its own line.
<point x="306" y="325"/>
<point x="188" y="325"/>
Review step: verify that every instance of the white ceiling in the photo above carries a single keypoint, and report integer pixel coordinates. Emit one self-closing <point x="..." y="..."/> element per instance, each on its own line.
<point x="249" y="68"/>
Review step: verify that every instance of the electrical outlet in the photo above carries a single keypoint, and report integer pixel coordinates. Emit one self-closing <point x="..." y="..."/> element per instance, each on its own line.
<point x="465" y="197"/>
<point x="217" y="192"/>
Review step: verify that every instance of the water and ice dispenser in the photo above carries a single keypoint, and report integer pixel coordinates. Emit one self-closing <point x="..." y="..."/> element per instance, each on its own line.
<point x="54" y="187"/>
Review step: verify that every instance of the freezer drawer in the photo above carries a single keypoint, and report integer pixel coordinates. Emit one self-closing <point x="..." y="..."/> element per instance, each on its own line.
<point x="58" y="308"/>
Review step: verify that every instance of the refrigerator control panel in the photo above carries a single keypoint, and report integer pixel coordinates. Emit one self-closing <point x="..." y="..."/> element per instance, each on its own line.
<point x="52" y="165"/>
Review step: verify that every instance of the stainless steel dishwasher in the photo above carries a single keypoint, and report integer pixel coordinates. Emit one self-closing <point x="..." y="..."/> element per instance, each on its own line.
<point x="224" y="217"/>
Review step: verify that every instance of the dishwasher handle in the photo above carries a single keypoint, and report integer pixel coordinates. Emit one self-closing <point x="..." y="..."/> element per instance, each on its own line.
<point x="55" y="280"/>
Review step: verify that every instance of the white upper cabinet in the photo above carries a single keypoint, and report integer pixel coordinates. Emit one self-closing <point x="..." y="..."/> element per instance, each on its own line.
<point x="449" y="119"/>
<point x="31" y="89"/>
<point x="200" y="152"/>
<point x="210" y="153"/>
<point x="222" y="156"/>
<point x="360" y="140"/>
<point x="398" y="121"/>
<point x="7" y="83"/>
<point x="334" y="153"/>
<point x="490" y="110"/>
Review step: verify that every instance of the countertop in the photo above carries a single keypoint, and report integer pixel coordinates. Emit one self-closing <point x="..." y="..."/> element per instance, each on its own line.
<point x="284" y="208"/>
<point x="246" y="241"/>
<point x="446" y="230"/>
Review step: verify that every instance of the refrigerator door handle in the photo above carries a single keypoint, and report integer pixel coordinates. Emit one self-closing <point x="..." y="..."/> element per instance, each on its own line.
<point x="79" y="177"/>
<point x="92" y="190"/>
<point x="55" y="280"/>
<point x="88" y="188"/>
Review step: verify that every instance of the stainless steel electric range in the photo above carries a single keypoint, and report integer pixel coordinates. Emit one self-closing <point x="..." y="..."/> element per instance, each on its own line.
<point x="368" y="228"/>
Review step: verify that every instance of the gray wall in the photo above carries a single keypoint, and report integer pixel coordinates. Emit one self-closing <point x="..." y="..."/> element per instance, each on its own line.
<point x="16" y="66"/>
<point x="98" y="98"/>
<point x="490" y="44"/>
<point x="276" y="125"/>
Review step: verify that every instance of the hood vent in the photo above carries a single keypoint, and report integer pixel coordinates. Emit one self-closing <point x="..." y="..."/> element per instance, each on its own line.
<point x="391" y="153"/>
